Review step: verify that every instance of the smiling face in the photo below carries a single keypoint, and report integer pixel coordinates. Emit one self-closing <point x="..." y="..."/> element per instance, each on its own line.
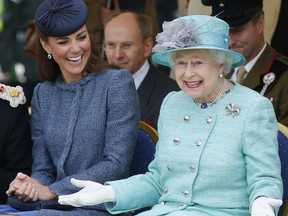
<point x="71" y="53"/>
<point x="198" y="75"/>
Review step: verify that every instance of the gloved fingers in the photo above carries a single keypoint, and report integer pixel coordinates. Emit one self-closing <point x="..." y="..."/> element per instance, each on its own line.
<point x="79" y="183"/>
<point x="68" y="200"/>
<point x="86" y="185"/>
<point x="275" y="202"/>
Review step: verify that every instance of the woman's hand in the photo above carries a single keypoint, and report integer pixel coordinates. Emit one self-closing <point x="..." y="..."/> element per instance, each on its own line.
<point x="92" y="193"/>
<point x="16" y="183"/>
<point x="28" y="189"/>
<point x="264" y="206"/>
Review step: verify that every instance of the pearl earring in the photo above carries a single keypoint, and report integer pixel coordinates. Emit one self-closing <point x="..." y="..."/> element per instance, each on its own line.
<point x="221" y="75"/>
<point x="49" y="56"/>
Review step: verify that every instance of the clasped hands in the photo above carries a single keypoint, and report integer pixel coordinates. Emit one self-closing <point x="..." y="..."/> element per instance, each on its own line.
<point x="28" y="189"/>
<point x="92" y="193"/>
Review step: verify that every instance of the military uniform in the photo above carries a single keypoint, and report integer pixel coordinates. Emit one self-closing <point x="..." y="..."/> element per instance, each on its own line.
<point x="274" y="66"/>
<point x="15" y="137"/>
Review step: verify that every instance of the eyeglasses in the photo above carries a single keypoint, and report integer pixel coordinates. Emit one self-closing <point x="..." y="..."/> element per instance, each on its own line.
<point x="110" y="46"/>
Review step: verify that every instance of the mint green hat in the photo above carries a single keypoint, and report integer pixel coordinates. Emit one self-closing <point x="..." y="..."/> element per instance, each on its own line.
<point x="194" y="32"/>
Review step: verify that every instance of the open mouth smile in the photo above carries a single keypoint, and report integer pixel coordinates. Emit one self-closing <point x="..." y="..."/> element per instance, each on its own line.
<point x="74" y="59"/>
<point x="193" y="84"/>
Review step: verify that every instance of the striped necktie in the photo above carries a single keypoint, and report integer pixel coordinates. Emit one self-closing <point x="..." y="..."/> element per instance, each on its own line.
<point x="241" y="74"/>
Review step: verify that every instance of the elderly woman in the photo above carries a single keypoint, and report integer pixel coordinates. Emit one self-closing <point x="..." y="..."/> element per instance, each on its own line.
<point x="217" y="150"/>
<point x="85" y="115"/>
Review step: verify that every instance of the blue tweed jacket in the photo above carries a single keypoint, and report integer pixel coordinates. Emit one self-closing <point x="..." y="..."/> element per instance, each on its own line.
<point x="208" y="161"/>
<point x="85" y="130"/>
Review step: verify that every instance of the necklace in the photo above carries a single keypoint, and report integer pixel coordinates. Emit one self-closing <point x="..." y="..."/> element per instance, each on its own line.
<point x="220" y="94"/>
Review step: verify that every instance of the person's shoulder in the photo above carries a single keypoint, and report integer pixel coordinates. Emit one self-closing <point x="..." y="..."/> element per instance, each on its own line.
<point x="114" y="72"/>
<point x="43" y="88"/>
<point x="111" y="78"/>
<point x="247" y="95"/>
<point x="282" y="59"/>
<point x="245" y="91"/>
<point x="13" y="94"/>
<point x="176" y="97"/>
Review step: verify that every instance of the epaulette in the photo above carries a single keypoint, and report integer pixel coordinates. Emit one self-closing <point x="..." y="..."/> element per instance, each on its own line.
<point x="282" y="58"/>
<point x="14" y="95"/>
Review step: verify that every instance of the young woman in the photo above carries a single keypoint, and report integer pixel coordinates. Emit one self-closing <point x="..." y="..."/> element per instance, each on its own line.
<point x="85" y="114"/>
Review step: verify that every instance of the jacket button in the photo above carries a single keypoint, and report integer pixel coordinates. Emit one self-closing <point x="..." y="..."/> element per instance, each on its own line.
<point x="176" y="141"/>
<point x="198" y="143"/>
<point x="186" y="119"/>
<point x="186" y="193"/>
<point x="209" y="120"/>
<point x="192" y="168"/>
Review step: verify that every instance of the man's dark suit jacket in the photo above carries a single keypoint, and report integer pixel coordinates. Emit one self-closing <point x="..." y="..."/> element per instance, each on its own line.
<point x="15" y="144"/>
<point x="154" y="88"/>
<point x="271" y="61"/>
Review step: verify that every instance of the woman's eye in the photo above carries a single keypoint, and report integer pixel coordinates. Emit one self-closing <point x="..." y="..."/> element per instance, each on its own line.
<point x="197" y="63"/>
<point x="83" y="37"/>
<point x="62" y="42"/>
<point x="181" y="63"/>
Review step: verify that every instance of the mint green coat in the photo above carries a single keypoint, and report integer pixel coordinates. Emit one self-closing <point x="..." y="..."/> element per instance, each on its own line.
<point x="208" y="161"/>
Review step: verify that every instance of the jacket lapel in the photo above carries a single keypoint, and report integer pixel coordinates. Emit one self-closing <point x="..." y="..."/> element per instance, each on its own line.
<point x="261" y="67"/>
<point x="146" y="88"/>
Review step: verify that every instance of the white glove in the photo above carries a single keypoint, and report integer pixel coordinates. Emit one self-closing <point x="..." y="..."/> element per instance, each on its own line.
<point x="92" y="193"/>
<point x="264" y="206"/>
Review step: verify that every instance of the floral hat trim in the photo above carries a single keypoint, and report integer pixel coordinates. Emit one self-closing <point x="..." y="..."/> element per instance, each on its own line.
<point x="193" y="32"/>
<point x="181" y="33"/>
<point x="14" y="95"/>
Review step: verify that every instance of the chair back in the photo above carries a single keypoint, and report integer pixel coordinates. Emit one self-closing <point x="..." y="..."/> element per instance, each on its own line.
<point x="144" y="149"/>
<point x="283" y="154"/>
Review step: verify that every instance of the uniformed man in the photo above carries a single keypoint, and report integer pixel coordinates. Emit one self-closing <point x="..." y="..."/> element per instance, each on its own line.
<point x="15" y="137"/>
<point x="266" y="70"/>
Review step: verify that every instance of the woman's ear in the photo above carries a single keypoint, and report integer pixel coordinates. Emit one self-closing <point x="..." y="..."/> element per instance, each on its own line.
<point x="221" y="69"/>
<point x="45" y="46"/>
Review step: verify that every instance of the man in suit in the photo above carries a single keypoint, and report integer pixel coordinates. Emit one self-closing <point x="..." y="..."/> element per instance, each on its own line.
<point x="128" y="44"/>
<point x="266" y="70"/>
<point x="15" y="137"/>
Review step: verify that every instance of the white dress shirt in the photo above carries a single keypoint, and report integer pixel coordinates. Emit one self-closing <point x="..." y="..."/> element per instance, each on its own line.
<point x="141" y="74"/>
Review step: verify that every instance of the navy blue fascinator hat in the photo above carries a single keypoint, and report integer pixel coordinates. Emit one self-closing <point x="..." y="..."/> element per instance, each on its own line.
<point x="59" y="18"/>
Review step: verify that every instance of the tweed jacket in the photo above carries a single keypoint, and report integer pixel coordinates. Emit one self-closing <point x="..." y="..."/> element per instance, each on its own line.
<point x="15" y="144"/>
<point x="154" y="88"/>
<point x="208" y="162"/>
<point x="85" y="130"/>
<point x="277" y="91"/>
